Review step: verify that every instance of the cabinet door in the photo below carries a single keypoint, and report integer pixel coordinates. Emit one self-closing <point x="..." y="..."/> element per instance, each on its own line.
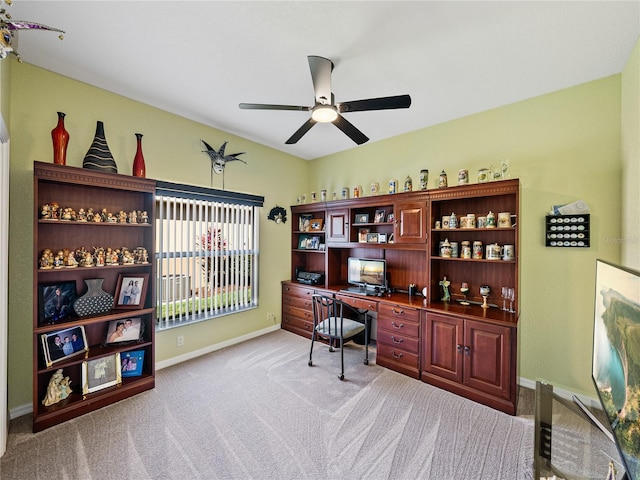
<point x="487" y="358"/>
<point x="444" y="346"/>
<point x="338" y="226"/>
<point x="411" y="222"/>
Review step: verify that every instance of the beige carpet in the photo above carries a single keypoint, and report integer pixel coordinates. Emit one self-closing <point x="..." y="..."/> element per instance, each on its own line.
<point x="258" y="411"/>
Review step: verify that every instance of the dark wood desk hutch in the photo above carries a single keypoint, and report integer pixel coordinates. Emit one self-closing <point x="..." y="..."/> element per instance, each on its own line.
<point x="466" y="349"/>
<point x="79" y="188"/>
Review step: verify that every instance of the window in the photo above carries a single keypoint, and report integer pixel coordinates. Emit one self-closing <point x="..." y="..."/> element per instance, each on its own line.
<point x="206" y="253"/>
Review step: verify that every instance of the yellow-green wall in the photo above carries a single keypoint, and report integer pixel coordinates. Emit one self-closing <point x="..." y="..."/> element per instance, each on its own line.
<point x="563" y="146"/>
<point x="173" y="152"/>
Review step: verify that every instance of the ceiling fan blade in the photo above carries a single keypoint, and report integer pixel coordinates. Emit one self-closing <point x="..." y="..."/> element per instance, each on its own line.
<point x="306" y="126"/>
<point x="266" y="106"/>
<point x="382" y="103"/>
<point x="351" y="131"/>
<point x="321" y="69"/>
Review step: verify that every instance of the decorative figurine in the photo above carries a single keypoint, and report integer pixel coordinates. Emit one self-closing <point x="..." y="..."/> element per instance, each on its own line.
<point x="58" y="389"/>
<point x="464" y="289"/>
<point x="442" y="181"/>
<point x="445" y="286"/>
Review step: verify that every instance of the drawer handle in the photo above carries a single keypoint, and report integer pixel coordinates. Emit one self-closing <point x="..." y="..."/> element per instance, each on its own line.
<point x="467" y="351"/>
<point x="459" y="348"/>
<point x="308" y="315"/>
<point x="394" y="340"/>
<point x="395" y="325"/>
<point x="397" y="312"/>
<point x="396" y="355"/>
<point x="307" y="304"/>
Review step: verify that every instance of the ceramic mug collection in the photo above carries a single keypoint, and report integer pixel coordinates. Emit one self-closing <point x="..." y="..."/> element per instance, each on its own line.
<point x="476" y="250"/>
<point x="491" y="220"/>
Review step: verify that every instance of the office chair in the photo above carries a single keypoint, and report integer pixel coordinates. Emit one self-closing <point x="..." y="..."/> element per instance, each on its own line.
<point x="329" y="323"/>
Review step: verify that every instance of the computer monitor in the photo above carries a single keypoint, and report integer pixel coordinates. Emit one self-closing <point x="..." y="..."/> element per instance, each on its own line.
<point x="367" y="272"/>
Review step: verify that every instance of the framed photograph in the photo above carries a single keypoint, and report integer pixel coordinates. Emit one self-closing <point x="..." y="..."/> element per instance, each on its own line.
<point x="391" y="217"/>
<point x="304" y="222"/>
<point x="131" y="363"/>
<point x="131" y="291"/>
<point x="101" y="373"/>
<point x="314" y="243"/>
<point x="304" y="241"/>
<point x="361" y="218"/>
<point x="372" y="238"/>
<point x="125" y="330"/>
<point x="362" y="235"/>
<point x="382" y="238"/>
<point x="55" y="301"/>
<point x="316" y="224"/>
<point x="63" y="344"/>
<point x="379" y="217"/>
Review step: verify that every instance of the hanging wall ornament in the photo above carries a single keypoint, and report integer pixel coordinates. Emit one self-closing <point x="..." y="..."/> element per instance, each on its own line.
<point x="139" y="168"/>
<point x="278" y="215"/>
<point x="99" y="156"/>
<point x="60" y="138"/>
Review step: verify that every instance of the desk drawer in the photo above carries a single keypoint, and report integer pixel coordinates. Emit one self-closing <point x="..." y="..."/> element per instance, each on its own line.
<point x="400" y="326"/>
<point x="293" y="290"/>
<point x="396" y="311"/>
<point x="360" y="303"/>
<point x="291" y="322"/>
<point x="300" y="302"/>
<point x="397" y="356"/>
<point x="399" y="341"/>
<point x="301" y="313"/>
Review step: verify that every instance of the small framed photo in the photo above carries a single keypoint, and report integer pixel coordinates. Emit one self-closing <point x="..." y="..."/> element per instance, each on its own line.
<point x="55" y="301"/>
<point x="362" y="235"/>
<point x="131" y="363"/>
<point x="131" y="291"/>
<point x="321" y="246"/>
<point x="379" y="216"/>
<point x="316" y="224"/>
<point x="372" y="238"/>
<point x="391" y="217"/>
<point x="126" y="330"/>
<point x="361" y="218"/>
<point x="63" y="344"/>
<point x="304" y="241"/>
<point x="382" y="238"/>
<point x="304" y="222"/>
<point x="101" y="373"/>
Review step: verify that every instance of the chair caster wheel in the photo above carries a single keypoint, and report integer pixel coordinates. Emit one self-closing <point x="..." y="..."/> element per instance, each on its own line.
<point x="366" y="362"/>
<point x="341" y="377"/>
<point x="310" y="363"/>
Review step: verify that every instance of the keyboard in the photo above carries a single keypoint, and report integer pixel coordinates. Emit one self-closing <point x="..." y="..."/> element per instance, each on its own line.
<point x="361" y="291"/>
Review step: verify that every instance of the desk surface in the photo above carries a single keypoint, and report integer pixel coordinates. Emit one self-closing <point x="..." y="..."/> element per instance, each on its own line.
<point x="493" y="315"/>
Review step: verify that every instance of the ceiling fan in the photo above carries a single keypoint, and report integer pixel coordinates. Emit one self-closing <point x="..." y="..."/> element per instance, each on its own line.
<point x="326" y="110"/>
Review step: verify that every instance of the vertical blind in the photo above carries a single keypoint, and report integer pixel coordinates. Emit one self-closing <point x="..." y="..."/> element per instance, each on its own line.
<point x="206" y="253"/>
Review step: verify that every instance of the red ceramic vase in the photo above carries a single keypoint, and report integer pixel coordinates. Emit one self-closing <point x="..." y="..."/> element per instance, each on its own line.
<point x="60" y="139"/>
<point x="139" y="168"/>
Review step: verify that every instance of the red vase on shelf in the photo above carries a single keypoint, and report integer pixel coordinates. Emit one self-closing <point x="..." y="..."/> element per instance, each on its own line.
<point x="139" y="169"/>
<point x="60" y="138"/>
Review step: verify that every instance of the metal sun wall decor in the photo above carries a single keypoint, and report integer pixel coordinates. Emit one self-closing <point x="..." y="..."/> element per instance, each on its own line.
<point x="219" y="160"/>
<point x="9" y="26"/>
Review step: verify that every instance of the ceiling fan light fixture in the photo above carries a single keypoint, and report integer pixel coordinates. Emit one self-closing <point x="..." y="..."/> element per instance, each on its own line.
<point x="324" y="113"/>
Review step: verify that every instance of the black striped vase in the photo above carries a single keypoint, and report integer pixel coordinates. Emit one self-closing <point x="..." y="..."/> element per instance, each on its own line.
<point x="99" y="156"/>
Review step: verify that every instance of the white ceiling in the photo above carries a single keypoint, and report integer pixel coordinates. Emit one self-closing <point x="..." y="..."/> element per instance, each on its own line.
<point x="200" y="59"/>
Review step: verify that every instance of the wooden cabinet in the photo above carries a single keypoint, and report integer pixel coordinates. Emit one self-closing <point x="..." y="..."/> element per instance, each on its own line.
<point x="308" y="231"/>
<point x="75" y="189"/>
<point x="338" y="225"/>
<point x="398" y="338"/>
<point x="297" y="311"/>
<point x="411" y="222"/>
<point x="472" y="358"/>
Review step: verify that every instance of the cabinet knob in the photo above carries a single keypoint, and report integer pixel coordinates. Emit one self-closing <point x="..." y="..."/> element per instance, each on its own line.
<point x="467" y="350"/>
<point x="459" y="348"/>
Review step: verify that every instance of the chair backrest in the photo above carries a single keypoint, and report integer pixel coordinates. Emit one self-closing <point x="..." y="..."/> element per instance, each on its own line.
<point x="330" y="311"/>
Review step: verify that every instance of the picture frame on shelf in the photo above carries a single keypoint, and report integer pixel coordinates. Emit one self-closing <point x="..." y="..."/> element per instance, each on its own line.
<point x="124" y="330"/>
<point x="309" y="242"/>
<point x="316" y="224"/>
<point x="61" y="345"/>
<point x="372" y="238"/>
<point x="304" y="222"/>
<point x="382" y="238"/>
<point x="55" y="301"/>
<point x="100" y="373"/>
<point x="361" y="218"/>
<point x="391" y="217"/>
<point x="131" y="291"/>
<point x="131" y="363"/>
<point x="362" y="235"/>
<point x="379" y="216"/>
